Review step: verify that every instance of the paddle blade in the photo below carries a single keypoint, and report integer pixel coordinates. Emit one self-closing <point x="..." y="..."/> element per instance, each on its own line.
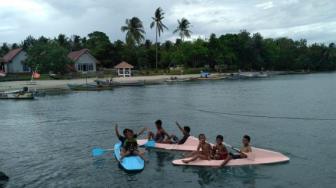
<point x="97" y="152"/>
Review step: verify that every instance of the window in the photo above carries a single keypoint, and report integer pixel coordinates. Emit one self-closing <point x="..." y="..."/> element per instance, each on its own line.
<point x="79" y="67"/>
<point x="121" y="71"/>
<point x="26" y="68"/>
<point x="91" y="67"/>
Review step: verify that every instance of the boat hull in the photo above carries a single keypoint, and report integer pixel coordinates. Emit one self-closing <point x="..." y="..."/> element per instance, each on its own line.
<point x="129" y="163"/>
<point x="17" y="96"/>
<point x="257" y="157"/>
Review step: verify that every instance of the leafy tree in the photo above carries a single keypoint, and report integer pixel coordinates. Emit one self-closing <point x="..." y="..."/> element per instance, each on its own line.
<point x="76" y="43"/>
<point x="183" y="28"/>
<point x="159" y="26"/>
<point x="4" y="49"/>
<point x="134" y="31"/>
<point x="100" y="46"/>
<point x="28" y="42"/>
<point x="63" y="41"/>
<point x="46" y="57"/>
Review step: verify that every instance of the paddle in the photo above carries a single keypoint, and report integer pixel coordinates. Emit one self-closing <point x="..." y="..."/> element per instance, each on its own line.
<point x="99" y="151"/>
<point x="249" y="156"/>
<point x="228" y="145"/>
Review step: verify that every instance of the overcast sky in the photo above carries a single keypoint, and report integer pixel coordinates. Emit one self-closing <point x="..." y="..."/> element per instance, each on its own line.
<point x="314" y="20"/>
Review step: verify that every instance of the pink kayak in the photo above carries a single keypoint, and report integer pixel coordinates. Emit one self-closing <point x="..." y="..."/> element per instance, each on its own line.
<point x="257" y="157"/>
<point x="190" y="145"/>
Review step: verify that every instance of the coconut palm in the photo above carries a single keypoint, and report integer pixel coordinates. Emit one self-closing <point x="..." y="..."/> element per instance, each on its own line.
<point x="183" y="28"/>
<point x="159" y="26"/>
<point x="134" y="31"/>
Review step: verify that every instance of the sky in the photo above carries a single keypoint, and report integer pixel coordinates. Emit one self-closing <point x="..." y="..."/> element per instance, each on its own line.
<point x="314" y="20"/>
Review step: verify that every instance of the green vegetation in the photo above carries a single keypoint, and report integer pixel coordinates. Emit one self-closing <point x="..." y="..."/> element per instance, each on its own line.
<point x="159" y="26"/>
<point x="242" y="50"/>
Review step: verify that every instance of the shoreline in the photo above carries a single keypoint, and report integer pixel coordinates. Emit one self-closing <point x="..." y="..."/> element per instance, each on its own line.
<point x="60" y="86"/>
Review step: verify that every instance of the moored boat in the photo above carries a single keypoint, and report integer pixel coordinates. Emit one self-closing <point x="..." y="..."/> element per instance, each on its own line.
<point x="176" y="79"/>
<point x="89" y="87"/>
<point x="19" y="94"/>
<point x="129" y="83"/>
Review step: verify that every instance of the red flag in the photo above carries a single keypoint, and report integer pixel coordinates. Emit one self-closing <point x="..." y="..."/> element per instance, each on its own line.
<point x="36" y="75"/>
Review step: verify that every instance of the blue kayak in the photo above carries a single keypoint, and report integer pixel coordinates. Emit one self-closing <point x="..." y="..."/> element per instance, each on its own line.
<point x="129" y="163"/>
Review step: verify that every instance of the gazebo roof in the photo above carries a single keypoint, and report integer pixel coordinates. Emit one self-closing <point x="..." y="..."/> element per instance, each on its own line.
<point x="124" y="65"/>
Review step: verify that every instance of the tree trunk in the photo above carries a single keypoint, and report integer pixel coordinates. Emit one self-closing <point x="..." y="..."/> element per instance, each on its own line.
<point x="156" y="48"/>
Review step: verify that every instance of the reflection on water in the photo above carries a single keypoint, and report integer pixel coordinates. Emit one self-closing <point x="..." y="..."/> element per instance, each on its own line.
<point x="3" y="180"/>
<point x="162" y="158"/>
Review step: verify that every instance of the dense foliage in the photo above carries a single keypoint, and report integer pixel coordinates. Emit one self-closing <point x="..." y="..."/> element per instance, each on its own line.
<point x="48" y="56"/>
<point x="243" y="51"/>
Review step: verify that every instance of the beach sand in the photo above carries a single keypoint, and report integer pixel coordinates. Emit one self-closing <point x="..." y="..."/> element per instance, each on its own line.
<point x="46" y="85"/>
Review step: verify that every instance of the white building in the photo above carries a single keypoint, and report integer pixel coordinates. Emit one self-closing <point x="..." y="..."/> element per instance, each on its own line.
<point x="124" y="69"/>
<point x="14" y="62"/>
<point x="84" y="61"/>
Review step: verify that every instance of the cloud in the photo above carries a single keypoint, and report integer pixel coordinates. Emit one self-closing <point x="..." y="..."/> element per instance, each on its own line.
<point x="314" y="20"/>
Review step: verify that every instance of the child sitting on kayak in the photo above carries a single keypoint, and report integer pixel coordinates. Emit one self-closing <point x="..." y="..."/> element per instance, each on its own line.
<point x="244" y="150"/>
<point x="203" y="150"/>
<point x="186" y="133"/>
<point x="125" y="131"/>
<point x="129" y="143"/>
<point x="160" y="135"/>
<point x="219" y="151"/>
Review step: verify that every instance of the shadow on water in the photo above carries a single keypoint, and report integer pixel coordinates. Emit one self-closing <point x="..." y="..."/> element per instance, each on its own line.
<point x="3" y="180"/>
<point x="222" y="177"/>
<point x="163" y="157"/>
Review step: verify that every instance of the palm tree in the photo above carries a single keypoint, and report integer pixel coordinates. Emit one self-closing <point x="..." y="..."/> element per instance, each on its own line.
<point x="159" y="26"/>
<point x="183" y="28"/>
<point x="134" y="31"/>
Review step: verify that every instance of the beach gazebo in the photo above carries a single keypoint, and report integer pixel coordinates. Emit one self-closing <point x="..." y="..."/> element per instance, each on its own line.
<point x="124" y="69"/>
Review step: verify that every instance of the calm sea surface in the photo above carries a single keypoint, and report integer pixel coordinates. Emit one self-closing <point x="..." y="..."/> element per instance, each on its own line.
<point x="47" y="142"/>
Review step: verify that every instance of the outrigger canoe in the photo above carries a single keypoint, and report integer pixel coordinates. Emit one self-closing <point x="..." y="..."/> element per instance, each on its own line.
<point x="257" y="157"/>
<point x="129" y="163"/>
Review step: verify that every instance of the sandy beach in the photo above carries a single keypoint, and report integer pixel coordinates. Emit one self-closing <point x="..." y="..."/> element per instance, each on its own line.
<point x="46" y="85"/>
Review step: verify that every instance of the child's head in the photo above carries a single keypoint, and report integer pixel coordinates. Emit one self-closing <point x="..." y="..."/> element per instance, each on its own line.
<point x="219" y="139"/>
<point x="186" y="129"/>
<point x="158" y="124"/>
<point x="130" y="133"/>
<point x="202" y="138"/>
<point x="125" y="131"/>
<point x="246" y="140"/>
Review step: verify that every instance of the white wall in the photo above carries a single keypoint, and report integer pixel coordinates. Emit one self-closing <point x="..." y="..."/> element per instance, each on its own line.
<point x="16" y="66"/>
<point x="86" y="59"/>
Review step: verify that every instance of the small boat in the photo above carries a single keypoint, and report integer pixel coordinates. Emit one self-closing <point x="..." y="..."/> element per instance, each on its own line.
<point x="176" y="79"/>
<point x="129" y="163"/>
<point x="211" y="78"/>
<point x="55" y="76"/>
<point x="247" y="75"/>
<point x="257" y="157"/>
<point x="154" y="82"/>
<point x="89" y="87"/>
<point x="18" y="95"/>
<point x="129" y="83"/>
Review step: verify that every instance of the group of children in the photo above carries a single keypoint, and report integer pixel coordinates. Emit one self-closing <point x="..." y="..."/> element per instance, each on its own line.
<point x="218" y="151"/>
<point x="204" y="150"/>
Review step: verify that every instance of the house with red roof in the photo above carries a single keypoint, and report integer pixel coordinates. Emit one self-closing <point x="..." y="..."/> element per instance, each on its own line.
<point x="13" y="62"/>
<point x="124" y="69"/>
<point x="84" y="61"/>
